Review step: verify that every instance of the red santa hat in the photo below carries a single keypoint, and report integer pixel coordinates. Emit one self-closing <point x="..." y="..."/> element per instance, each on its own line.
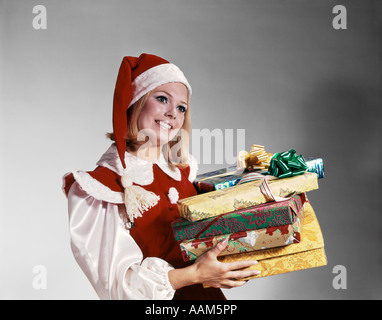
<point x="136" y="77"/>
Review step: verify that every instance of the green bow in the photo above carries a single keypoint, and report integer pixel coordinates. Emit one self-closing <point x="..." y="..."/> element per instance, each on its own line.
<point x="287" y="164"/>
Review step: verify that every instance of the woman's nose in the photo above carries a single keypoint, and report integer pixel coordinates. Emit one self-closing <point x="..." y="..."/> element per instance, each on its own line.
<point x="170" y="112"/>
<point x="170" y="115"/>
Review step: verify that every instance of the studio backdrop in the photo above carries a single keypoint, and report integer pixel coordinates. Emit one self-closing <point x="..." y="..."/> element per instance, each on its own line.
<point x="283" y="74"/>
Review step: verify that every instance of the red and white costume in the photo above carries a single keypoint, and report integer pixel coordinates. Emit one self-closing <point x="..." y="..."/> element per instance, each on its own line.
<point x="124" y="263"/>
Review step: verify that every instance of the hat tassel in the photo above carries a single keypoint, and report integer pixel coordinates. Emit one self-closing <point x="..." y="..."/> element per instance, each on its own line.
<point x="137" y="200"/>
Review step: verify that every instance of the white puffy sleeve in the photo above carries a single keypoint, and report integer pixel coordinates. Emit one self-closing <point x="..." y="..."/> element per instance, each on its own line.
<point x="109" y="256"/>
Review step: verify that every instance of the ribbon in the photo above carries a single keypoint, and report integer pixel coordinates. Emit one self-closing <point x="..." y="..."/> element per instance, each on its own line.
<point x="264" y="186"/>
<point x="287" y="164"/>
<point x="256" y="158"/>
<point x="267" y="192"/>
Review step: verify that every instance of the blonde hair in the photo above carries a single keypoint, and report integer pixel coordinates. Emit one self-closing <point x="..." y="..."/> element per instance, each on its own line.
<point x="183" y="137"/>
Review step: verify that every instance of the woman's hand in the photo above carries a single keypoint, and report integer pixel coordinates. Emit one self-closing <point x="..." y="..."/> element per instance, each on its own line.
<point x="209" y="271"/>
<point x="222" y="275"/>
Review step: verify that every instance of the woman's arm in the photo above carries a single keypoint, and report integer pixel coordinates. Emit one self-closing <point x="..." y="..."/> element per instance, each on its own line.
<point x="208" y="270"/>
<point x="109" y="256"/>
<point x="114" y="263"/>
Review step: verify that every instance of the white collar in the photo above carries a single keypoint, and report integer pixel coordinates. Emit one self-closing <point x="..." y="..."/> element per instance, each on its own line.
<point x="141" y="171"/>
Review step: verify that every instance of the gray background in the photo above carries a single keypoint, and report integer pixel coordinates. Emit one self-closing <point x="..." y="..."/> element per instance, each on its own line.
<point x="277" y="69"/>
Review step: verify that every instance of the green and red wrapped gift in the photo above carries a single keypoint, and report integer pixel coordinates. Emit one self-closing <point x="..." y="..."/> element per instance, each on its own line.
<point x="246" y="241"/>
<point x="272" y="214"/>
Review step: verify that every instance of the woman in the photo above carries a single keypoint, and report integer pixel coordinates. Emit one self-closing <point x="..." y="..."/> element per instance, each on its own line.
<point x="120" y="214"/>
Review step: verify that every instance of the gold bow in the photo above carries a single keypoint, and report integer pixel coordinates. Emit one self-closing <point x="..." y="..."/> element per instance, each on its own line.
<point x="256" y="159"/>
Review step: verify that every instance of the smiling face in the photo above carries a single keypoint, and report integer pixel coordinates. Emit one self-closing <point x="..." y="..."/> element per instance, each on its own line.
<point x="164" y="111"/>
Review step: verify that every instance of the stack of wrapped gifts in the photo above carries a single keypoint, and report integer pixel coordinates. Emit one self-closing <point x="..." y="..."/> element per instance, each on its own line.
<point x="261" y="206"/>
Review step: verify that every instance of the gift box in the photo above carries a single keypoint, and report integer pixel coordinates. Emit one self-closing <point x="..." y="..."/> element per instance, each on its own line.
<point x="244" y="195"/>
<point x="245" y="241"/>
<point x="231" y="176"/>
<point x="308" y="253"/>
<point x="315" y="165"/>
<point x="271" y="214"/>
<point x="257" y="159"/>
<point x="218" y="179"/>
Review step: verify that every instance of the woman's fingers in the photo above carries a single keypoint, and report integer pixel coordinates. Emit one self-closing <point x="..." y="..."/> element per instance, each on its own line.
<point x="234" y="278"/>
<point x="240" y="264"/>
<point x="216" y="250"/>
<point x="232" y="284"/>
<point x="235" y="270"/>
<point x="223" y="275"/>
<point x="242" y="274"/>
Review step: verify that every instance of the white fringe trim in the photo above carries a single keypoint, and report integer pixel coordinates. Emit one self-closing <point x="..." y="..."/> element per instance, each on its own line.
<point x="137" y="199"/>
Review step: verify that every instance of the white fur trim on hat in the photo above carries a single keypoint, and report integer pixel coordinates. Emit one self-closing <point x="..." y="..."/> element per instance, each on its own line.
<point x="155" y="77"/>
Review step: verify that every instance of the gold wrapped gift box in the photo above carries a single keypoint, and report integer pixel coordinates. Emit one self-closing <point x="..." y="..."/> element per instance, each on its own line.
<point x="248" y="194"/>
<point x="309" y="253"/>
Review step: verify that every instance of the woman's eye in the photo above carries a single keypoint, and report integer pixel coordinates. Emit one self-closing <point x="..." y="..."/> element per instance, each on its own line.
<point x="162" y="99"/>
<point x="182" y="109"/>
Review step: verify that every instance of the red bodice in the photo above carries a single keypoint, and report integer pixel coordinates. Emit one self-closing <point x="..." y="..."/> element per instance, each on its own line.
<point x="152" y="232"/>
